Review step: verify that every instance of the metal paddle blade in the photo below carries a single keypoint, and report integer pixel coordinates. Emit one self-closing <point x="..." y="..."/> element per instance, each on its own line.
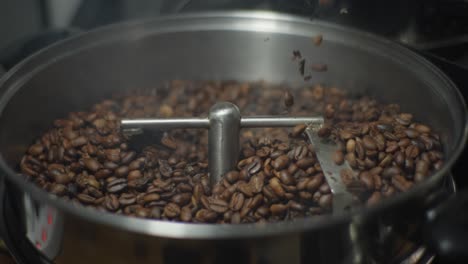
<point x="324" y="149"/>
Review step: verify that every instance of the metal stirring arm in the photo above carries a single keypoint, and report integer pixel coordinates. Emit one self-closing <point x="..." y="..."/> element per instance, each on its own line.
<point x="223" y="123"/>
<point x="324" y="149"/>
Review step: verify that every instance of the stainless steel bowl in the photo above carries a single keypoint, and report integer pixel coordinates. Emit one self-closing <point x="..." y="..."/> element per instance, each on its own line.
<point x="75" y="73"/>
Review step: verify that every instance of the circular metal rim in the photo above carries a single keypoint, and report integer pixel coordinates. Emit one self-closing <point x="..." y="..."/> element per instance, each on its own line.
<point x="212" y="231"/>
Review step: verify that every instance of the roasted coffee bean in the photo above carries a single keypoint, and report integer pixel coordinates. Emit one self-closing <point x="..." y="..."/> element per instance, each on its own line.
<point x="142" y="212"/>
<point x="228" y="192"/>
<point x="205" y="215"/>
<point x="422" y="167"/>
<point x="376" y="170"/>
<point x="281" y="162"/>
<point x="263" y="152"/>
<point x="155" y="213"/>
<point x="136" y="164"/>
<point x="133" y="175"/>
<point x="275" y="185"/>
<point x="278" y="209"/>
<point x="409" y="164"/>
<point x="103" y="173"/>
<point x="389" y="172"/>
<point x="186" y="214"/>
<point x="404" y="119"/>
<point x="181" y="198"/>
<point x="390" y="136"/>
<point x="246" y="209"/>
<point x="338" y="157"/>
<point x="235" y="218"/>
<point x="248" y="152"/>
<point x="86" y="199"/>
<point x="262" y="211"/>
<point x="296" y="206"/>
<point x="255" y="166"/>
<point x="347" y="177"/>
<point x="404" y="142"/>
<point x="218" y="189"/>
<point x="369" y="143"/>
<point x="298" y="130"/>
<point x="164" y="168"/>
<point x="171" y="210"/>
<point x="387" y="160"/>
<point x="268" y="192"/>
<point x="151" y="197"/>
<point x="286" y="178"/>
<point x="257" y="200"/>
<point x="116" y="185"/>
<point x="122" y="171"/>
<point x="360" y="150"/>
<point x="423" y="129"/>
<point x="401" y="183"/>
<point x="411" y="133"/>
<point x="412" y="151"/>
<point x="324" y="132"/>
<point x="421" y="170"/>
<point x="168" y="194"/>
<point x="305" y="196"/>
<point x="127" y="199"/>
<point x="380" y="141"/>
<point x="275" y="154"/>
<point x="36" y="149"/>
<point x="384" y="127"/>
<point x="127" y="157"/>
<point x="168" y="142"/>
<point x="325" y="201"/>
<point x="60" y="177"/>
<point x="139" y="183"/>
<point x="324" y="188"/>
<point x="237" y="201"/>
<point x="246" y="188"/>
<point x="314" y="183"/>
<point x="93" y="192"/>
<point x="299" y="152"/>
<point x="218" y="205"/>
<point x="292" y="169"/>
<point x="351" y="159"/>
<point x="111" y="202"/>
<point x="399" y="158"/>
<point x="79" y="141"/>
<point x="92" y="164"/>
<point x="305" y="163"/>
<point x="288" y="98"/>
<point x="317" y="40"/>
<point x="58" y="189"/>
<point x="346" y="134"/>
<point x="369" y="163"/>
<point x="350" y="146"/>
<point x="258" y="181"/>
<point x="368" y="180"/>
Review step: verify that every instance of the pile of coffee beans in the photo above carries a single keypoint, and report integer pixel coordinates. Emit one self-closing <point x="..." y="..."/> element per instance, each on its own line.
<point x="86" y="159"/>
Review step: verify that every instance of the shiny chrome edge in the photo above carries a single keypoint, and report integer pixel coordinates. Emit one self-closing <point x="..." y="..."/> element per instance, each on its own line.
<point x="210" y="231"/>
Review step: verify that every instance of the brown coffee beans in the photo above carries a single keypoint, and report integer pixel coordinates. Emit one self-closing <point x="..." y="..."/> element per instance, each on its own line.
<point x="85" y="158"/>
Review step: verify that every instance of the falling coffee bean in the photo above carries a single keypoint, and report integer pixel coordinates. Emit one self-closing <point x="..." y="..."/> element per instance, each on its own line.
<point x="288" y="98"/>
